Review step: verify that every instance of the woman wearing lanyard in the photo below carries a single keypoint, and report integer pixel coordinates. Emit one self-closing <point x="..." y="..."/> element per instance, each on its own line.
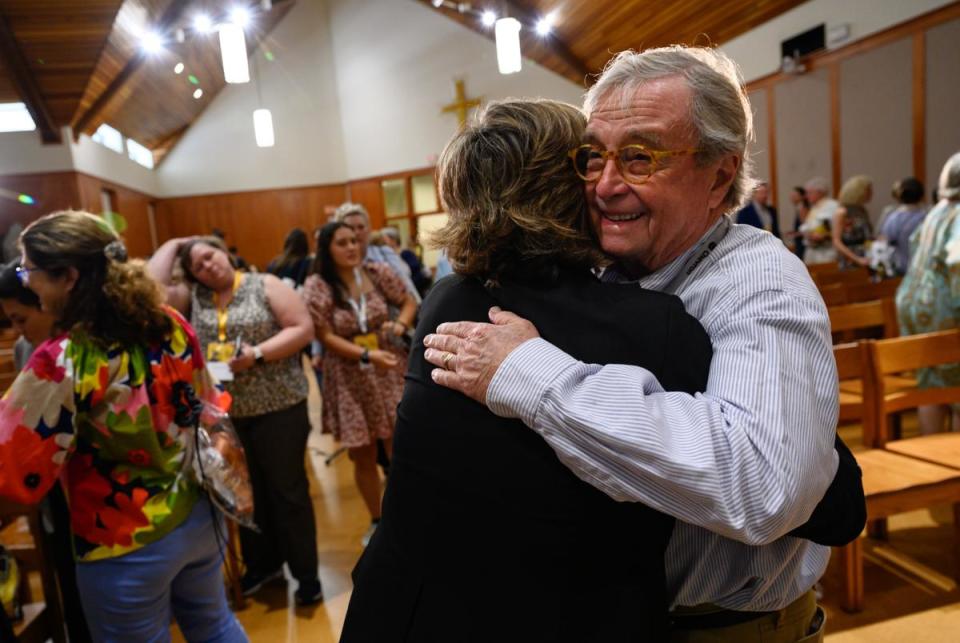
<point x="252" y="328"/>
<point x="364" y="358"/>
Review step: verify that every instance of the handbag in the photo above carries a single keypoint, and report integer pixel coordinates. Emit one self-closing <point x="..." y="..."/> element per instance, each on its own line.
<point x="10" y="586"/>
<point x="214" y="457"/>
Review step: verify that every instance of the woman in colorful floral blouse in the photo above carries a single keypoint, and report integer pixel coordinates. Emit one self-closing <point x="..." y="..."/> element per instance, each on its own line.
<point x="95" y="407"/>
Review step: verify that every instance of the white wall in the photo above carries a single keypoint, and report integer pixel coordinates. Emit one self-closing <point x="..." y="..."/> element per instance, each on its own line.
<point x="396" y="65"/>
<point x="96" y="160"/>
<point x="758" y="51"/>
<point x="218" y="153"/>
<point x="23" y="153"/>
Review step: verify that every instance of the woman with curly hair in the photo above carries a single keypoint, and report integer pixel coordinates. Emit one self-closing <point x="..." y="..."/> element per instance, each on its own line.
<point x="95" y="406"/>
<point x="477" y="506"/>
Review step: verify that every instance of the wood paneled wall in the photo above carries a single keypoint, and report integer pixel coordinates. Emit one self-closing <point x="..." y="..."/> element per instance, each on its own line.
<point x="255" y="222"/>
<point x="74" y="190"/>
<point x="881" y="106"/>
<point x="133" y="205"/>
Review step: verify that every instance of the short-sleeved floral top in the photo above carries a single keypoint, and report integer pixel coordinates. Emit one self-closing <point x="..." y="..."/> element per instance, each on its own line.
<point x="102" y="420"/>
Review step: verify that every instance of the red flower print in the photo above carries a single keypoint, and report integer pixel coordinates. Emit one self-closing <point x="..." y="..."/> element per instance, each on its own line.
<point x="27" y="469"/>
<point x="43" y="362"/>
<point x="139" y="457"/>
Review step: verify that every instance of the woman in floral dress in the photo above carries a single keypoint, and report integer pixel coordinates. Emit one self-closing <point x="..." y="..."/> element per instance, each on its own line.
<point x="96" y="406"/>
<point x="928" y="300"/>
<point x="364" y="356"/>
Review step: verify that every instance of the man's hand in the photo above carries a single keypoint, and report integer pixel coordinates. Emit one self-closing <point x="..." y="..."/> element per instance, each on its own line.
<point x="469" y="353"/>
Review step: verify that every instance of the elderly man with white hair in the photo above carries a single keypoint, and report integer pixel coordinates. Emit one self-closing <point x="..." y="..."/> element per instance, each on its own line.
<point x="741" y="465"/>
<point x="816" y="227"/>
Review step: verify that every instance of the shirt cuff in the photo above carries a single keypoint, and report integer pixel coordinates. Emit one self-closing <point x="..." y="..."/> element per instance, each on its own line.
<point x="523" y="378"/>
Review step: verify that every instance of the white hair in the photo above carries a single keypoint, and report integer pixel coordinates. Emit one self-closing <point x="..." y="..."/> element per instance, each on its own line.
<point x="719" y="111"/>
<point x="349" y="208"/>
<point x="949" y="187"/>
<point x="817" y="183"/>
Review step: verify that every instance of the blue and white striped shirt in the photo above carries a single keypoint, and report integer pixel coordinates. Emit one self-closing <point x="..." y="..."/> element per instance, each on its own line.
<point x="739" y="465"/>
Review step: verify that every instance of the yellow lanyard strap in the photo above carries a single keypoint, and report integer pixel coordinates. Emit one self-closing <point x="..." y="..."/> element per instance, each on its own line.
<point x="222" y="310"/>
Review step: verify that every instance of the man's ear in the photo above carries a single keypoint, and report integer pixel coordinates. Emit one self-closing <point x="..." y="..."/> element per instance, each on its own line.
<point x="70" y="278"/>
<point x="723" y="179"/>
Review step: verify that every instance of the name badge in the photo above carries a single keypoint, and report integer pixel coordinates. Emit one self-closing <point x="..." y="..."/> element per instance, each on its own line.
<point x="220" y="351"/>
<point x="368" y="341"/>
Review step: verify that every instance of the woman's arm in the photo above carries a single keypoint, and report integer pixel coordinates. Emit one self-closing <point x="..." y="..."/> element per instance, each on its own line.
<point x="317" y="297"/>
<point x="36" y="425"/>
<point x="296" y="328"/>
<point x="838" y="221"/>
<point x="404" y="320"/>
<point x="160" y="267"/>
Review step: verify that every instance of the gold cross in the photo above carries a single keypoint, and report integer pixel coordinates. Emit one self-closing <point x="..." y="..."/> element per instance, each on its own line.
<point x="461" y="106"/>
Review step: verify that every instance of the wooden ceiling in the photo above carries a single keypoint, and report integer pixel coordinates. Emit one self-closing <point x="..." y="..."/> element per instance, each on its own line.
<point x="79" y="62"/>
<point x="588" y="32"/>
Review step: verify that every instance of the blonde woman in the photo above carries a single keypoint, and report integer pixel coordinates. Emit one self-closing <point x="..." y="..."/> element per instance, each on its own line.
<point x="851" y="228"/>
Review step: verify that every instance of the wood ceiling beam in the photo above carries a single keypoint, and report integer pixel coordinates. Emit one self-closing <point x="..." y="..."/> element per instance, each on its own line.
<point x="575" y="68"/>
<point x="26" y="85"/>
<point x="167" y="20"/>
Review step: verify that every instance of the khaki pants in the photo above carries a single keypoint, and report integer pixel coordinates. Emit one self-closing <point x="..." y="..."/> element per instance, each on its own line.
<point x="789" y="625"/>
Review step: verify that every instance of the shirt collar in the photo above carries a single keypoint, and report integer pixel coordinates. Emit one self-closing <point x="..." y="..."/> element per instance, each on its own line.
<point x="658" y="279"/>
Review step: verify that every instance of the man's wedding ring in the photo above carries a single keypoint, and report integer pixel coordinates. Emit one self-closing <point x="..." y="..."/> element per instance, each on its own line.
<point x="446" y="361"/>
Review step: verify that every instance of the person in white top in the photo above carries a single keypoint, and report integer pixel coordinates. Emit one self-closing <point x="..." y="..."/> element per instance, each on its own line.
<point x="742" y="464"/>
<point x="816" y="227"/>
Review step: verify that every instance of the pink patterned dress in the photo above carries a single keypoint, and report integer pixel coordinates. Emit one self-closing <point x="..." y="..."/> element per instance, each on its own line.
<point x="359" y="402"/>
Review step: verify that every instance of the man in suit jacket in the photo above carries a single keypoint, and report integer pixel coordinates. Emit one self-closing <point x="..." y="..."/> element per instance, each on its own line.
<point x="758" y="213"/>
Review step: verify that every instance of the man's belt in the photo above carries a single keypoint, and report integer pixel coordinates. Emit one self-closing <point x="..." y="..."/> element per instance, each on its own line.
<point x="713" y="620"/>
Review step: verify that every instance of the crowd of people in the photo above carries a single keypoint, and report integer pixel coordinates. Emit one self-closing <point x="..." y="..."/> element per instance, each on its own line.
<point x="642" y="390"/>
<point x="841" y="230"/>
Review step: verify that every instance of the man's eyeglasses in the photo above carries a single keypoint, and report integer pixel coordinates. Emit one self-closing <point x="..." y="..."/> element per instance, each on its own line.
<point x="635" y="162"/>
<point x="23" y="274"/>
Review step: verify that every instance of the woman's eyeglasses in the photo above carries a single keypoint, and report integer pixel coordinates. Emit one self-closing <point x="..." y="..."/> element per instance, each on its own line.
<point x="23" y="274"/>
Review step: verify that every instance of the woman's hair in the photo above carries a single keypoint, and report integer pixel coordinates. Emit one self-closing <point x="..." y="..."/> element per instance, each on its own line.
<point x="799" y="189"/>
<point x="11" y="288"/>
<point x="183" y="255"/>
<point x="295" y="249"/>
<point x="911" y="190"/>
<point x="377" y="238"/>
<point x="515" y="202"/>
<point x="323" y="264"/>
<point x="113" y="300"/>
<point x="854" y="191"/>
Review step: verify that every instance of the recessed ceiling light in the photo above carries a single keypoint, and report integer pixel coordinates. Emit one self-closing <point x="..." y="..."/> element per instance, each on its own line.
<point x="198" y="93"/>
<point x="178" y="68"/>
<point x="202" y="23"/>
<point x="488" y="18"/>
<point x="151" y="42"/>
<point x="545" y="24"/>
<point x="240" y="16"/>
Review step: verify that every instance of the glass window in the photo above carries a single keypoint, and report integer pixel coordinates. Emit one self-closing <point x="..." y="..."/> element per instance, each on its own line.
<point x="403" y="227"/>
<point x="109" y="137"/>
<point x="426" y="226"/>
<point x="424" y="194"/>
<point x="14" y="117"/>
<point x="394" y="196"/>
<point x="139" y="153"/>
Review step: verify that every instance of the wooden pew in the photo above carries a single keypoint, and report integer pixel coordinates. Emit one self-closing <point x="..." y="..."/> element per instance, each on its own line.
<point x="892" y="483"/>
<point x="43" y="619"/>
